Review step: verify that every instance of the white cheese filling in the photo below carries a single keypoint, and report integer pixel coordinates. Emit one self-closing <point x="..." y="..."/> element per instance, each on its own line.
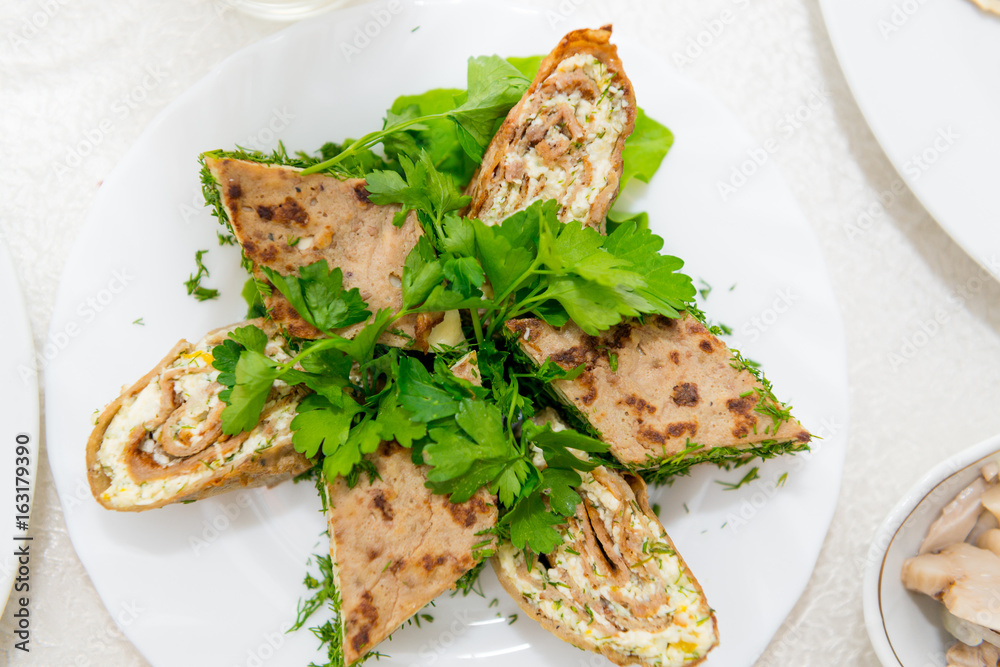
<point x="687" y="632"/>
<point x="603" y="121"/>
<point x="198" y="392"/>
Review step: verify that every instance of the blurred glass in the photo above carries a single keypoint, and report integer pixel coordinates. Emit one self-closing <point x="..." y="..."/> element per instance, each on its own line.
<point x="286" y="10"/>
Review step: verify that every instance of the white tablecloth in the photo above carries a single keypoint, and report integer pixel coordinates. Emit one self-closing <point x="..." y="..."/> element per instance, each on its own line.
<point x="80" y="79"/>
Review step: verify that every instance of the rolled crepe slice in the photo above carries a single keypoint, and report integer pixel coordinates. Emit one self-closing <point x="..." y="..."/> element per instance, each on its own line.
<point x="395" y="546"/>
<point x="284" y="220"/>
<point x="564" y="139"/>
<point x="161" y="441"/>
<point x="616" y="585"/>
<point x="677" y="392"/>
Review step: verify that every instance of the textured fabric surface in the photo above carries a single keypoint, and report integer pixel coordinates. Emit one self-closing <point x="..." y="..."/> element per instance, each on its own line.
<point x="80" y="79"/>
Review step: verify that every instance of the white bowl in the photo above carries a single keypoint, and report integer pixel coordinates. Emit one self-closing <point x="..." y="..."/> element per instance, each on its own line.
<point x="905" y="628"/>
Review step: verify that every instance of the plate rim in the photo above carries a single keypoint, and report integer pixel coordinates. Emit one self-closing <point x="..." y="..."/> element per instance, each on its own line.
<point x="893" y="524"/>
<point x="962" y="237"/>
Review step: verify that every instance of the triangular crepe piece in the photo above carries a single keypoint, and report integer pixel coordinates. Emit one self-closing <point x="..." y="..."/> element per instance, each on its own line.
<point x="284" y="220"/>
<point x="564" y="139"/>
<point x="396" y="546"/>
<point x="674" y="390"/>
<point x="161" y="441"/>
<point x="616" y="585"/>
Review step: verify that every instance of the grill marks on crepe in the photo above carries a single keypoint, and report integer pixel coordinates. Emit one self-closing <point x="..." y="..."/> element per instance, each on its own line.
<point x="284" y="220"/>
<point x="674" y="384"/>
<point x="615" y="574"/>
<point x="396" y="546"/>
<point x="161" y="440"/>
<point x="564" y="139"/>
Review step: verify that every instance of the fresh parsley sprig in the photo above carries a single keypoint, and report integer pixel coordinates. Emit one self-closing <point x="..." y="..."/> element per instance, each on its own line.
<point x="494" y="86"/>
<point x="486" y="441"/>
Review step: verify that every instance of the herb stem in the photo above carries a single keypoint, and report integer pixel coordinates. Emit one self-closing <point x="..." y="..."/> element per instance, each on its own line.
<point x="477" y="326"/>
<point x="367" y="141"/>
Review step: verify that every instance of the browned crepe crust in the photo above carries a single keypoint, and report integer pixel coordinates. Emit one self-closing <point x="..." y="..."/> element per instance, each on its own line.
<point x="988" y="5"/>
<point x="397" y="546"/>
<point x="270" y="206"/>
<point x="674" y="385"/>
<point x="517" y="135"/>
<point x="611" y="559"/>
<point x="266" y="467"/>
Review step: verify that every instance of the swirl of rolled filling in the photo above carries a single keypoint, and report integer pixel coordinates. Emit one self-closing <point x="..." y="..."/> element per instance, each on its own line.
<point x="616" y="585"/>
<point x="564" y="139"/>
<point x="161" y="441"/>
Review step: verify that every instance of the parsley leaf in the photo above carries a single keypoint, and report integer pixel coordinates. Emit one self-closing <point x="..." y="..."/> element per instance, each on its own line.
<point x="494" y="87"/>
<point x="426" y="397"/>
<point x="397" y="423"/>
<point x="317" y="294"/>
<point x="321" y="424"/>
<point x="254" y="375"/>
<point x="420" y="187"/>
<point x="251" y="293"/>
<point x="438" y="136"/>
<point x="421" y="273"/>
<point x="645" y="149"/>
<point x="531" y="525"/>
<point x="561" y="483"/>
<point x="666" y="289"/>
<point x="527" y="65"/>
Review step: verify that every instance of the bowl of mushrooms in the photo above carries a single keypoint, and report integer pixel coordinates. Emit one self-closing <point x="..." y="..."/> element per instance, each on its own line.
<point x="932" y="575"/>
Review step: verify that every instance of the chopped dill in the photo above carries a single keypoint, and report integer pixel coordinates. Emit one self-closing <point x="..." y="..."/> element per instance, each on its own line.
<point x="747" y="478"/>
<point x="193" y="283"/>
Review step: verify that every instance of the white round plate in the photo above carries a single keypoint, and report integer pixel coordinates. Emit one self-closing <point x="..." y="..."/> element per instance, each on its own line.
<point x="219" y="579"/>
<point x="19" y="427"/>
<point x="905" y="627"/>
<point x="925" y="75"/>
